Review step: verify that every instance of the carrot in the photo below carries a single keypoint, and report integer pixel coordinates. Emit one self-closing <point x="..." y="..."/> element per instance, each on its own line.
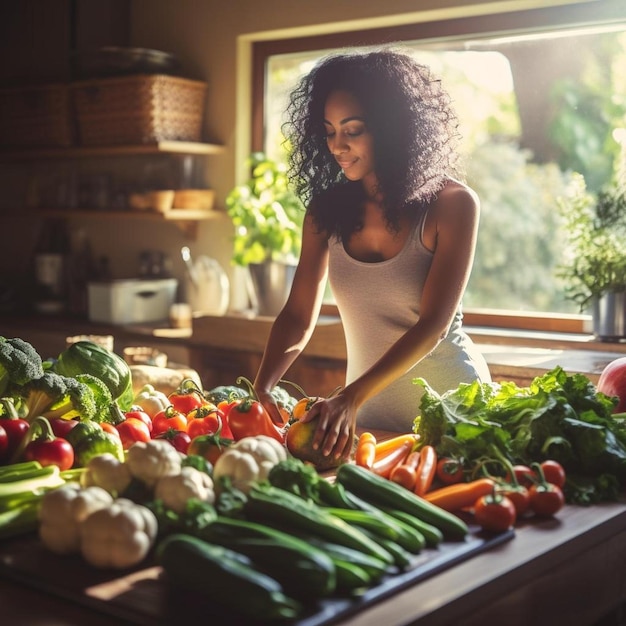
<point x="405" y="474"/>
<point x="460" y="495"/>
<point x="365" y="452"/>
<point x="384" y="447"/>
<point x="383" y="465"/>
<point x="425" y="470"/>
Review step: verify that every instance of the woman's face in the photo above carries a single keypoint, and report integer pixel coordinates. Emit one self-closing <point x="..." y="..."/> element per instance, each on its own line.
<point x="348" y="137"/>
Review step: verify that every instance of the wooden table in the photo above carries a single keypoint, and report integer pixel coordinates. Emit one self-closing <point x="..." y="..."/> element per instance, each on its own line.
<point x="570" y="570"/>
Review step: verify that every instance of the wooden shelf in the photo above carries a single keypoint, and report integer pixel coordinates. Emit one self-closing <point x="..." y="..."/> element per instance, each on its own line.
<point x="161" y="147"/>
<point x="185" y="219"/>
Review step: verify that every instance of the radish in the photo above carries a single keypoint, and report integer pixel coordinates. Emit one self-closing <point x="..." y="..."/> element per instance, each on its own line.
<point x="612" y="382"/>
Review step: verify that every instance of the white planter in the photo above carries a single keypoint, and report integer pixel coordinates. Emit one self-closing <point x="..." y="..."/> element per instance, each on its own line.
<point x="609" y="316"/>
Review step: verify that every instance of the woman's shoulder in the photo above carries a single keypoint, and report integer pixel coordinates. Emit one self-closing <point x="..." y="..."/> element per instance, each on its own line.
<point x="457" y="193"/>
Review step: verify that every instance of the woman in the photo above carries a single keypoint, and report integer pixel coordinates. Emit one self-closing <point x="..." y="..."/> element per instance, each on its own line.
<point x="374" y="153"/>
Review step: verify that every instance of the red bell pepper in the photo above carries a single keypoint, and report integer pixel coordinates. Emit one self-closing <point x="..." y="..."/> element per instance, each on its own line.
<point x="247" y="417"/>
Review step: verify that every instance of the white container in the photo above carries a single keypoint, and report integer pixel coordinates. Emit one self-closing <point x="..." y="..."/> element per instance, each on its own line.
<point x="131" y="301"/>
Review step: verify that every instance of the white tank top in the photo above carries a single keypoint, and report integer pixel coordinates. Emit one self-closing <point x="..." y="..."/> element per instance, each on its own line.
<point x="378" y="303"/>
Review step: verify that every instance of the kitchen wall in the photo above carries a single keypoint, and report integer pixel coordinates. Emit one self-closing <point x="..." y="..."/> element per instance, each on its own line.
<point x="212" y="39"/>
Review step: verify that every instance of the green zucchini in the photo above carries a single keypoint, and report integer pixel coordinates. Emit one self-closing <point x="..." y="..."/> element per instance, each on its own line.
<point x="224" y="577"/>
<point x="299" y="567"/>
<point x="432" y="535"/>
<point x="383" y="526"/>
<point x="373" y="566"/>
<point x="271" y="505"/>
<point x="352" y="578"/>
<point x="402" y="558"/>
<point x="383" y="492"/>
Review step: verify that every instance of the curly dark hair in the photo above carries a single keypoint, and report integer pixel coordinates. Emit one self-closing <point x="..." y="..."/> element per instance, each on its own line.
<point x="414" y="130"/>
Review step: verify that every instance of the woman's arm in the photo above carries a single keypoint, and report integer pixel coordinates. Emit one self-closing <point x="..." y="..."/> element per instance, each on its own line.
<point x="294" y="325"/>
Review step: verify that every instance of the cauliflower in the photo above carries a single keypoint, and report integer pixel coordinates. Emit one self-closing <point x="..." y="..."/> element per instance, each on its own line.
<point x="63" y="510"/>
<point x="248" y="461"/>
<point x="118" y="536"/>
<point x="106" y="471"/>
<point x="148" y="461"/>
<point x="174" y="491"/>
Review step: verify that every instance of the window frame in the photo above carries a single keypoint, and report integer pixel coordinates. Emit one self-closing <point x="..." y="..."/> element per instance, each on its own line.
<point x="564" y="17"/>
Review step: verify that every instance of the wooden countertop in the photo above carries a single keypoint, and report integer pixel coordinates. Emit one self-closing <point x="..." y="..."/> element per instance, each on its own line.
<point x="569" y="570"/>
<point x="513" y="354"/>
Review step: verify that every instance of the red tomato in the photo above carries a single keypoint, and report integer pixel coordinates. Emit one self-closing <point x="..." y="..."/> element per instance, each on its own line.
<point x="186" y="399"/>
<point x="166" y="419"/>
<point x="208" y="424"/>
<point x="60" y="426"/>
<point x="519" y="496"/>
<point x="449" y="471"/>
<point x="495" y="513"/>
<point x="209" y="446"/>
<point x="15" y="429"/>
<point x="524" y="475"/>
<point x="4" y="443"/>
<point x="554" y="473"/>
<point x="132" y="430"/>
<point x="56" y="451"/>
<point x="248" y="418"/>
<point x="178" y="438"/>
<point x="546" y="499"/>
<point x="109" y="428"/>
<point x="140" y="414"/>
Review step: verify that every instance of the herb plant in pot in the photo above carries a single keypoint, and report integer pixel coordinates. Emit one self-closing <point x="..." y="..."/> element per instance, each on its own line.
<point x="596" y="266"/>
<point x="267" y="217"/>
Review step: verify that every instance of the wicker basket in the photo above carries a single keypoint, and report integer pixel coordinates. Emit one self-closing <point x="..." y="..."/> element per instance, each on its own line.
<point x="139" y="109"/>
<point x="35" y="116"/>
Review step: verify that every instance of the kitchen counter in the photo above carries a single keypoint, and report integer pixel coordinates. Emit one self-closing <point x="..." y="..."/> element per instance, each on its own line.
<point x="510" y="355"/>
<point x="568" y="570"/>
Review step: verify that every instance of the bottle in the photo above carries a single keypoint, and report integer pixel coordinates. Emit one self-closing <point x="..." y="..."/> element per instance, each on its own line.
<point x="50" y="268"/>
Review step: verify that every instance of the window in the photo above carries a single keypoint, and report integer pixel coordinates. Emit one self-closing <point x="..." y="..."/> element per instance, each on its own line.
<point x="536" y="101"/>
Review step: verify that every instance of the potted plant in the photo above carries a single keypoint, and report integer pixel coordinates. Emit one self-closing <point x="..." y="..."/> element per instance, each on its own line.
<point x="267" y="217"/>
<point x="595" y="270"/>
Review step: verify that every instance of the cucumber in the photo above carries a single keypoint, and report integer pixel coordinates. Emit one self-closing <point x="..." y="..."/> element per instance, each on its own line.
<point x="224" y="577"/>
<point x="383" y="526"/>
<point x="432" y="535"/>
<point x="402" y="558"/>
<point x="383" y="492"/>
<point x="271" y="505"/>
<point x="373" y="566"/>
<point x="352" y="578"/>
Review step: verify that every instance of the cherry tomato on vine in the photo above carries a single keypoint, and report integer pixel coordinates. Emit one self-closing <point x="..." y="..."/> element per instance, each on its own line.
<point x="132" y="430"/>
<point x="546" y="499"/>
<point x="168" y="418"/>
<point x="553" y="472"/>
<point x="495" y="512"/>
<point x="518" y="495"/>
<point x="449" y="471"/>
<point x="524" y="475"/>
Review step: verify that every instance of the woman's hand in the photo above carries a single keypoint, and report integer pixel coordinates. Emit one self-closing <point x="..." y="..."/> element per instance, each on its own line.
<point x="334" y="434"/>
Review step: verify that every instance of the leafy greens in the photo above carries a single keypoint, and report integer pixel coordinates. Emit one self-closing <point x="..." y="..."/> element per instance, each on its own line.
<point x="558" y="416"/>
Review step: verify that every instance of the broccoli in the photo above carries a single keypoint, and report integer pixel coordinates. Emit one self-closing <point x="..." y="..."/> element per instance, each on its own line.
<point x="19" y="363"/>
<point x="53" y="395"/>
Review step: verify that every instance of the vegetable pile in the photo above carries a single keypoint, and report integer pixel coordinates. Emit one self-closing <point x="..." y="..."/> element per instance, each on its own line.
<point x="485" y="427"/>
<point x="205" y="484"/>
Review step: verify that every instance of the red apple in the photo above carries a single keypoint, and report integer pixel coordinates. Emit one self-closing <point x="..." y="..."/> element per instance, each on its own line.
<point x="612" y="382"/>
